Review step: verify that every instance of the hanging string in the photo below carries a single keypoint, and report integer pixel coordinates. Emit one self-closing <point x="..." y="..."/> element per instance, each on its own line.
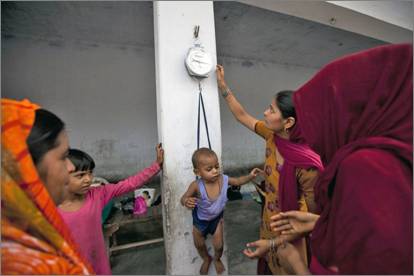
<point x="201" y="105"/>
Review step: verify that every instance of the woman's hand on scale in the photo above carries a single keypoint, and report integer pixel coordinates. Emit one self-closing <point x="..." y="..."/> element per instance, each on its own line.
<point x="220" y="77"/>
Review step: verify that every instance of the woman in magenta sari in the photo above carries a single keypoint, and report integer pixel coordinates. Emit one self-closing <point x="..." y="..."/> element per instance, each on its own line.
<point x="357" y="114"/>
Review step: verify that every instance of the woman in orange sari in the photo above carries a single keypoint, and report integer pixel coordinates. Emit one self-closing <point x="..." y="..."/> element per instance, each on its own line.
<point x="290" y="173"/>
<point x="34" y="171"/>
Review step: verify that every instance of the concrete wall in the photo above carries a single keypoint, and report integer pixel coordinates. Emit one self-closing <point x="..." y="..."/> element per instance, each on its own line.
<point x="92" y="63"/>
<point x="105" y="95"/>
<point x="254" y="83"/>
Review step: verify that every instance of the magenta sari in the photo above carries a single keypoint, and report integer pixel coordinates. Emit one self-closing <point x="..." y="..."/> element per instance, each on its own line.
<point x="357" y="114"/>
<point x="295" y="156"/>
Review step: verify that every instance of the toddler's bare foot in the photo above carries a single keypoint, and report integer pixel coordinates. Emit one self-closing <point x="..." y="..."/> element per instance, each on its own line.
<point x="205" y="266"/>
<point x="219" y="266"/>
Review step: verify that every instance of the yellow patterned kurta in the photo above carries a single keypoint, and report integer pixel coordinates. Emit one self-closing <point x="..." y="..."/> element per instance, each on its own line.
<point x="305" y="181"/>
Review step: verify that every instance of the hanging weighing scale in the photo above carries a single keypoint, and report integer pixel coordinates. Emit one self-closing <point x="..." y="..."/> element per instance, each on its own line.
<point x="198" y="61"/>
<point x="199" y="64"/>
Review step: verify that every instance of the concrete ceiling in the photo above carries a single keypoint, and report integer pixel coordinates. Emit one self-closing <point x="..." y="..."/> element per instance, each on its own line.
<point x="371" y="19"/>
<point x="250" y="32"/>
<point x="399" y="13"/>
<point x="242" y="31"/>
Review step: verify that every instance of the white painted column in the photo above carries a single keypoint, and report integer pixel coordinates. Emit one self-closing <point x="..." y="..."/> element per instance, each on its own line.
<point x="177" y="103"/>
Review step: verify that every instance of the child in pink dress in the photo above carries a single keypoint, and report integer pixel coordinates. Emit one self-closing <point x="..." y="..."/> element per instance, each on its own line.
<point x="83" y="205"/>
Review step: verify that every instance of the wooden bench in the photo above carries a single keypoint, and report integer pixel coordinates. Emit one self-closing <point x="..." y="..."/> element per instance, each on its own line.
<point x="119" y="219"/>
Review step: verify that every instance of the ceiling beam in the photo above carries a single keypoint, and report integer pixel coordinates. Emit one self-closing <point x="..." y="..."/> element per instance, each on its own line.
<point x="339" y="17"/>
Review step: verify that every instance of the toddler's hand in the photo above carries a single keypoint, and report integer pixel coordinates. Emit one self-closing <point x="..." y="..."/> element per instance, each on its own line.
<point x="255" y="172"/>
<point x="190" y="202"/>
<point x="160" y="154"/>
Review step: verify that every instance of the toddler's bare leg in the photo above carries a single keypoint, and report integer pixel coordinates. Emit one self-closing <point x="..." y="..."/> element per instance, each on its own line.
<point x="218" y="248"/>
<point x="200" y="244"/>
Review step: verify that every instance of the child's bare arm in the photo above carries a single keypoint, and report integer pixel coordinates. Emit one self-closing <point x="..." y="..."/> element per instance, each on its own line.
<point x="189" y="198"/>
<point x="133" y="182"/>
<point x="238" y="181"/>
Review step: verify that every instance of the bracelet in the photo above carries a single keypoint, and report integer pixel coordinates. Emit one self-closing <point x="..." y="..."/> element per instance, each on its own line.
<point x="226" y="92"/>
<point x="273" y="247"/>
<point x="270" y="244"/>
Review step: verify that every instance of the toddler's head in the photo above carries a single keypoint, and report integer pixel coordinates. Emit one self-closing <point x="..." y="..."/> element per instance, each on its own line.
<point x="206" y="165"/>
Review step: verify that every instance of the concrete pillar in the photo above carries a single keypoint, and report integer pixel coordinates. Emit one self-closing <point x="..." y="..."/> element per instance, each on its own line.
<point x="177" y="102"/>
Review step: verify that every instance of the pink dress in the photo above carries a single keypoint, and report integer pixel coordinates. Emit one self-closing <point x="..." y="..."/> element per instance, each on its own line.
<point x="86" y="225"/>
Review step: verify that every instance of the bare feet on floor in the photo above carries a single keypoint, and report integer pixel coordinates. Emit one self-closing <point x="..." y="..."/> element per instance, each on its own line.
<point x="205" y="266"/>
<point x="219" y="266"/>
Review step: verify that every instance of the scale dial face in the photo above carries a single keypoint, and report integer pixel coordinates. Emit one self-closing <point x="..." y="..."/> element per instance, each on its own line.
<point x="199" y="62"/>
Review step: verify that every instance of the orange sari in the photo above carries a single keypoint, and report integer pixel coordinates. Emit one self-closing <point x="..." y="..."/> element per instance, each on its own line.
<point x="34" y="238"/>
